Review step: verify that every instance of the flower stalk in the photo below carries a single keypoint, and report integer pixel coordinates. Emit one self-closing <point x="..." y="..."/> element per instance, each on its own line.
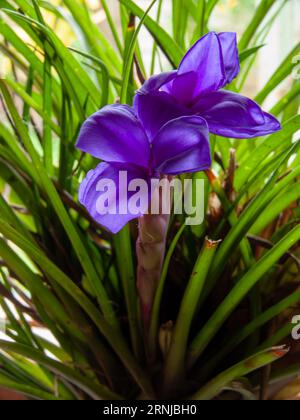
<point x="150" y="249"/>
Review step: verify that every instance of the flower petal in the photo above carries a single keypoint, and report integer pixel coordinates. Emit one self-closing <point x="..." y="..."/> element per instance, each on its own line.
<point x="205" y="59"/>
<point x="155" y="109"/>
<point x="154" y="83"/>
<point x="230" y="55"/>
<point x="231" y="115"/>
<point x="114" y="134"/>
<point x="113" y="221"/>
<point x="183" y="88"/>
<point x="182" y="145"/>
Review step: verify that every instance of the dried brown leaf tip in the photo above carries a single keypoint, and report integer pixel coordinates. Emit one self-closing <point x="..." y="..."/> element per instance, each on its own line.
<point x="212" y="177"/>
<point x="211" y="244"/>
<point x="280" y="351"/>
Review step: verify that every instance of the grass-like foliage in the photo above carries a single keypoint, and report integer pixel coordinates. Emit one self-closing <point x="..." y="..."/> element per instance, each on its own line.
<point x="221" y="308"/>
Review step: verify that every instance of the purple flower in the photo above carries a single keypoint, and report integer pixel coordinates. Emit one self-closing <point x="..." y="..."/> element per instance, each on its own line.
<point x="196" y="89"/>
<point x="116" y="136"/>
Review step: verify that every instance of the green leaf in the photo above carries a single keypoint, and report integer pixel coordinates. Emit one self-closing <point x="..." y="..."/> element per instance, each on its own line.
<point x="248" y="53"/>
<point x="214" y="387"/>
<point x="237" y="294"/>
<point x="128" y="62"/>
<point x="268" y="146"/>
<point x="278" y="205"/>
<point x="63" y="215"/>
<point x="29" y="391"/>
<point x="174" y="372"/>
<point x="154" y="322"/>
<point x="112" y="25"/>
<point x="286" y="100"/>
<point x="96" y="40"/>
<point x="67" y="284"/>
<point x="260" y="13"/>
<point x="93" y="390"/>
<point x="31" y="103"/>
<point x="172" y="51"/>
<point x="284" y="70"/>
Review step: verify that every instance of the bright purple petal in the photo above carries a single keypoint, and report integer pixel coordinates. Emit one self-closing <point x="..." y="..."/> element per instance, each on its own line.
<point x="155" y="110"/>
<point x="154" y="83"/>
<point x="230" y="55"/>
<point x="205" y="59"/>
<point x="89" y="196"/>
<point x="231" y="115"/>
<point x="182" y="145"/>
<point x="114" y="134"/>
<point x="183" y="88"/>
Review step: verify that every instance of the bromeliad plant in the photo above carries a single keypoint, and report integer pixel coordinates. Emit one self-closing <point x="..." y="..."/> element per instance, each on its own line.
<point x="195" y="312"/>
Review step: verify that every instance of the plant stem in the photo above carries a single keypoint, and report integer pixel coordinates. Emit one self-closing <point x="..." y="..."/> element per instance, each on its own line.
<point x="150" y="249"/>
<point x="175" y="367"/>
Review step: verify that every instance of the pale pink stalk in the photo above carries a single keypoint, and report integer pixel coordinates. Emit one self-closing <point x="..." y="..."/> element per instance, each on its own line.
<point x="150" y="249"/>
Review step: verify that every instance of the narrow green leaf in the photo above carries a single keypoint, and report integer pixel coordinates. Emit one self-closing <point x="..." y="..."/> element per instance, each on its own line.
<point x="29" y="391"/>
<point x="154" y="322"/>
<point x="130" y="54"/>
<point x="104" y="71"/>
<point x="70" y="287"/>
<point x="268" y="146"/>
<point x="233" y="299"/>
<point x="174" y="372"/>
<point x="47" y="108"/>
<point x="96" y="391"/>
<point x="214" y="387"/>
<point x="96" y="40"/>
<point x="31" y="103"/>
<point x="286" y="99"/>
<point x="61" y="212"/>
<point x="112" y="26"/>
<point x="172" y="51"/>
<point x="283" y="71"/>
<point x="248" y="53"/>
<point x="278" y="205"/>
<point x="260" y="13"/>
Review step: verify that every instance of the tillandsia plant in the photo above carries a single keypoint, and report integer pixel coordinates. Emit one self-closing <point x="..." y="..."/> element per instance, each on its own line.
<point x="111" y="286"/>
<point x="115" y="135"/>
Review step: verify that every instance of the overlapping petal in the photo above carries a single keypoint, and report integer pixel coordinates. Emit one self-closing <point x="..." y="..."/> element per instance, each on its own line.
<point x="207" y="67"/>
<point x="184" y="88"/>
<point x="231" y="115"/>
<point x="230" y="55"/>
<point x="182" y="145"/>
<point x="154" y="83"/>
<point x="90" y="193"/>
<point x="114" y="134"/>
<point x="205" y="59"/>
<point x="155" y="110"/>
